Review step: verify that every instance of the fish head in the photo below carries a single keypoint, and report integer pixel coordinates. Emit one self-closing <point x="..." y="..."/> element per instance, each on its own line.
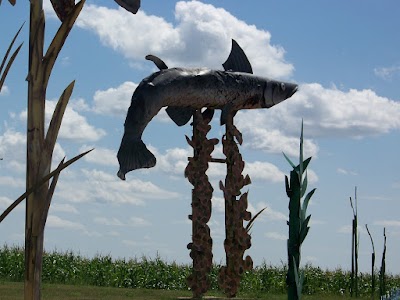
<point x="278" y="91"/>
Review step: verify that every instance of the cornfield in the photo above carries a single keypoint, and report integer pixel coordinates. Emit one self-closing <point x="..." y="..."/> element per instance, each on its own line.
<point x="102" y="270"/>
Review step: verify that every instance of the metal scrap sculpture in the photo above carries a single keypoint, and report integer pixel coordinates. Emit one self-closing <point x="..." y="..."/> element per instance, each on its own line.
<point x="185" y="92"/>
<point x="201" y="245"/>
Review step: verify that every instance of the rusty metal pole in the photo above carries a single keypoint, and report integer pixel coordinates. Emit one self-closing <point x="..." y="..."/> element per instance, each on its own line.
<point x="201" y="245"/>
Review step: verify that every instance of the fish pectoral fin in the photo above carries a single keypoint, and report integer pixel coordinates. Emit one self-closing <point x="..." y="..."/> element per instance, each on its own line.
<point x="208" y="114"/>
<point x="134" y="155"/>
<point x="180" y="115"/>
<point x="237" y="60"/>
<point x="157" y="61"/>
<point x="226" y="110"/>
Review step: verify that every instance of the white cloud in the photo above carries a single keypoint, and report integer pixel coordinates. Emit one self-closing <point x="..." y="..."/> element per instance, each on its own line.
<point x="218" y="204"/>
<point x="262" y="130"/>
<point x="12" y="181"/>
<point x="74" y="126"/>
<point x="346" y="229"/>
<point x="13" y="150"/>
<point x="346" y="172"/>
<point x="68" y="208"/>
<point x="173" y="161"/>
<point x="4" y="203"/>
<point x="57" y="222"/>
<point x="79" y="105"/>
<point x="332" y="112"/>
<point x="99" y="186"/>
<point x="108" y="221"/>
<point x="264" y="171"/>
<point x="388" y="223"/>
<point x="114" y="101"/>
<point x="387" y="73"/>
<point x="268" y="214"/>
<point x="327" y="112"/>
<point x="5" y="91"/>
<point x="100" y="156"/>
<point x="201" y="37"/>
<point x="138" y="222"/>
<point x="276" y="236"/>
<point x="133" y="222"/>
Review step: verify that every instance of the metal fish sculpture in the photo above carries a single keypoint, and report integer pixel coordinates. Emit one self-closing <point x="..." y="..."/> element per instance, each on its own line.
<point x="183" y="90"/>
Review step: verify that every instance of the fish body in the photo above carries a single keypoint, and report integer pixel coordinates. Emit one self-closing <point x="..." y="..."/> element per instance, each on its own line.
<point x="184" y="90"/>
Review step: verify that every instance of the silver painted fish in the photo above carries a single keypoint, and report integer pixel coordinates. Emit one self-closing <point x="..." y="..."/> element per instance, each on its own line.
<point x="185" y="90"/>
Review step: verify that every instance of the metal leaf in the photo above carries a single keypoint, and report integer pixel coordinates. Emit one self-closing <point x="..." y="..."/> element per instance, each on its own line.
<point x="304" y="229"/>
<point x="10" y="62"/>
<point x="55" y="123"/>
<point x="301" y="163"/>
<point x="9" y="47"/>
<point x="58" y="41"/>
<point x="251" y="222"/>
<point x="303" y="186"/>
<point x="305" y="165"/>
<point x="49" y="196"/>
<point x="46" y="178"/>
<point x="288" y="190"/>
<point x="130" y="5"/>
<point x="305" y="204"/>
<point x="289" y="161"/>
<point x="2" y="79"/>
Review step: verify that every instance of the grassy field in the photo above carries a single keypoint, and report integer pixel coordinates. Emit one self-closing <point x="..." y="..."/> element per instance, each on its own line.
<point x="71" y="276"/>
<point x="14" y="290"/>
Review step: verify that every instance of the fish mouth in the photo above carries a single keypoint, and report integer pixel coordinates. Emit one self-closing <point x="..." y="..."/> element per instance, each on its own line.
<point x="294" y="90"/>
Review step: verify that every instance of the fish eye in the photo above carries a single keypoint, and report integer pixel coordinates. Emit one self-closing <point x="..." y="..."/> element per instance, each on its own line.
<point x="283" y="86"/>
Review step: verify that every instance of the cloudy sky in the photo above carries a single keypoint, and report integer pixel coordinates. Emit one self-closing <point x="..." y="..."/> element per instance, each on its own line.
<point x="345" y="58"/>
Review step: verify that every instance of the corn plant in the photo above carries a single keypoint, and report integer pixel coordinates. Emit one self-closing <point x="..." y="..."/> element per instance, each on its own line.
<point x="298" y="222"/>
<point x="354" y="248"/>
<point x="382" y="275"/>
<point x="40" y="145"/>
<point x="372" y="264"/>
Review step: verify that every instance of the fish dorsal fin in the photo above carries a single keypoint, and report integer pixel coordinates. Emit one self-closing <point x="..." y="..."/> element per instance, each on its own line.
<point x="237" y="60"/>
<point x="180" y="115"/>
<point x="157" y="61"/>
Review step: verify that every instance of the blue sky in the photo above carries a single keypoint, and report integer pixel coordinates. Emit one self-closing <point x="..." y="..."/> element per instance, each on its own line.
<point x="345" y="58"/>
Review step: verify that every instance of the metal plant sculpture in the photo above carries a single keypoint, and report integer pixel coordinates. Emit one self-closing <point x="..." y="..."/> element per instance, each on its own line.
<point x="201" y="245"/>
<point x="382" y="271"/>
<point x="238" y="239"/>
<point x="40" y="144"/>
<point x="372" y="264"/>
<point x="185" y="92"/>
<point x="354" y="248"/>
<point x="298" y="222"/>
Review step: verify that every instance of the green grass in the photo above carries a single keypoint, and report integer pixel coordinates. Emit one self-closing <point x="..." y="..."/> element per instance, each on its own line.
<point x="155" y="277"/>
<point x="14" y="290"/>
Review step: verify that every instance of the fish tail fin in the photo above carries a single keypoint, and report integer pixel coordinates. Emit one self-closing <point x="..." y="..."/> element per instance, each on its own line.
<point x="134" y="155"/>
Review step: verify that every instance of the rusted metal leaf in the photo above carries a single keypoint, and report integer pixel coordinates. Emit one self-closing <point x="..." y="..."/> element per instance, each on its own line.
<point x="59" y="40"/>
<point x="10" y="62"/>
<point x="60" y="167"/>
<point x="55" y="123"/>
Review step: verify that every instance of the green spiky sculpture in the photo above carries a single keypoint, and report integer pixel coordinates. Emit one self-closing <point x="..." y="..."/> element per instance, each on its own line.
<point x="298" y="222"/>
